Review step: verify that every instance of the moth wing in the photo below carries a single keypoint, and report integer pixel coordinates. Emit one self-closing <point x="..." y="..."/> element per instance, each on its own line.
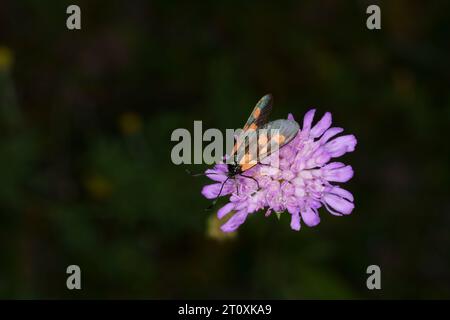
<point x="246" y="154"/>
<point x="256" y="120"/>
<point x="265" y="141"/>
<point x="275" y="135"/>
<point x="260" y="113"/>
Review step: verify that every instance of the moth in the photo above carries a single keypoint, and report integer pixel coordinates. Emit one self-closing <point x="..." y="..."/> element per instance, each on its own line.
<point x="258" y="140"/>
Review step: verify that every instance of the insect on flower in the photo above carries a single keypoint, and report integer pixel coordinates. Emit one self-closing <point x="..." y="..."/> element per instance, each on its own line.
<point x="257" y="140"/>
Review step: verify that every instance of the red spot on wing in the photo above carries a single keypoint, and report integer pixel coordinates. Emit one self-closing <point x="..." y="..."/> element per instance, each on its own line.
<point x="278" y="139"/>
<point x="256" y="113"/>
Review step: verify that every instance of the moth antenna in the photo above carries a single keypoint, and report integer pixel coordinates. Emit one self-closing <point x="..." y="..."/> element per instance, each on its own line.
<point x="218" y="195"/>
<point x="267" y="165"/>
<point x="189" y="172"/>
<point x="199" y="174"/>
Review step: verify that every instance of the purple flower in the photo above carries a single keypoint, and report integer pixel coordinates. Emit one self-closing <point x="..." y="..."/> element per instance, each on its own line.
<point x="303" y="182"/>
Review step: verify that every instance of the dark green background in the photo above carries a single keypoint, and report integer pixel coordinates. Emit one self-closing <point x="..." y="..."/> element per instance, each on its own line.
<point x="86" y="118"/>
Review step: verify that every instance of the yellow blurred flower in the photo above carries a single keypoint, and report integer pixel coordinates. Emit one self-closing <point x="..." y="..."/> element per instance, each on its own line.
<point x="213" y="229"/>
<point x="6" y="58"/>
<point x="98" y="187"/>
<point x="130" y="123"/>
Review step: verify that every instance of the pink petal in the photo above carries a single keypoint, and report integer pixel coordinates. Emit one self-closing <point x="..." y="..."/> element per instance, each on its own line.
<point x="225" y="210"/>
<point x="334" y="165"/>
<point x="221" y="167"/>
<point x="342" y="193"/>
<point x="216" y="175"/>
<point x="341" y="145"/>
<point x="295" y="221"/>
<point x="329" y="134"/>
<point x="310" y="218"/>
<point x="321" y="126"/>
<point x="337" y="172"/>
<point x="339" y="204"/>
<point x="307" y="120"/>
<point x="211" y="191"/>
<point x="235" y="221"/>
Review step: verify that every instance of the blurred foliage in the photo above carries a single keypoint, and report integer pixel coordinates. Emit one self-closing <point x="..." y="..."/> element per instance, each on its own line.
<point x="86" y="120"/>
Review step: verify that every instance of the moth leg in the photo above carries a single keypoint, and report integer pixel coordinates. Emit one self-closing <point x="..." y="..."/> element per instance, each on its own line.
<point x="267" y="165"/>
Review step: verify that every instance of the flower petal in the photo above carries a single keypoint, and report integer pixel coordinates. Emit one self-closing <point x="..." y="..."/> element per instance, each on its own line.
<point x="334" y="165"/>
<point x="310" y="217"/>
<point x="341" y="145"/>
<point x="210" y="191"/>
<point x="341" y="205"/>
<point x="338" y="172"/>
<point x="329" y="134"/>
<point x="321" y="126"/>
<point x="216" y="175"/>
<point x="221" y="167"/>
<point x="342" y="193"/>
<point x="225" y="210"/>
<point x="295" y="221"/>
<point x="307" y="120"/>
<point x="235" y="221"/>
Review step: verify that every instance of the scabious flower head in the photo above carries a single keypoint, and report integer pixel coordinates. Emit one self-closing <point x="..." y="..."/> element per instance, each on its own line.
<point x="303" y="182"/>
